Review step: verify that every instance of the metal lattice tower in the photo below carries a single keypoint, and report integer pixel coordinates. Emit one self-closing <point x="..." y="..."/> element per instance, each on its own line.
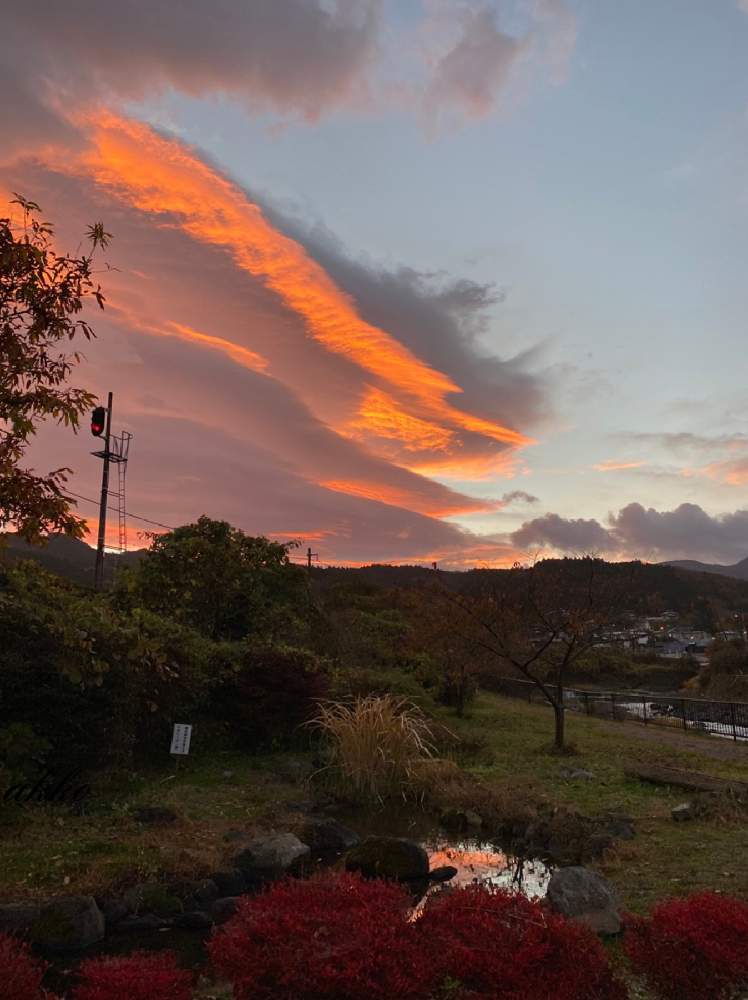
<point x="120" y="453"/>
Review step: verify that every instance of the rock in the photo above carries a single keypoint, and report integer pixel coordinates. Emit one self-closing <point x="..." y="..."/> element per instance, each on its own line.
<point x="70" y="923"/>
<point x="443" y="874"/>
<point x="206" y="891"/>
<point x="583" y="895"/>
<point x="597" y="844"/>
<point x="223" y="909"/>
<point x="620" y="828"/>
<point x="273" y="856"/>
<point x="389" y="857"/>
<point x="227" y="774"/>
<point x="460" y="819"/>
<point x="148" y="922"/>
<point x="327" y="836"/>
<point x="155" y="815"/>
<point x="195" y="920"/>
<point x="153" y="897"/>
<point x="114" y="910"/>
<point x="577" y="774"/>
<point x="295" y="770"/>
<point x="230" y="882"/>
<point x="16" y="917"/>
<point x="682" y="812"/>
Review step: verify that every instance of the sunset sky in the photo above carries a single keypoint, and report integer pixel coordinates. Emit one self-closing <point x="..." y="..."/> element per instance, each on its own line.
<point x="407" y="280"/>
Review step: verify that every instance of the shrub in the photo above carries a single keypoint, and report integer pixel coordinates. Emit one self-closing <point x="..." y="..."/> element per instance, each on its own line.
<point x="140" y="976"/>
<point x="20" y="973"/>
<point x="331" y="938"/>
<point x="491" y="943"/>
<point x="274" y="692"/>
<point x="692" y="948"/>
<point x="377" y="742"/>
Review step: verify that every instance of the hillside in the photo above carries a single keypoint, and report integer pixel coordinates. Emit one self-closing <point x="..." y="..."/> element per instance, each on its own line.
<point x="738" y="570"/>
<point x="67" y="557"/>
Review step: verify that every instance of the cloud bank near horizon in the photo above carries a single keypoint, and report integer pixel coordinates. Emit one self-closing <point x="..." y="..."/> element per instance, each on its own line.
<point x="687" y="532"/>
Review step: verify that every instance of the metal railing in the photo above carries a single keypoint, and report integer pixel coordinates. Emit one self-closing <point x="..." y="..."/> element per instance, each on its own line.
<point x="727" y="719"/>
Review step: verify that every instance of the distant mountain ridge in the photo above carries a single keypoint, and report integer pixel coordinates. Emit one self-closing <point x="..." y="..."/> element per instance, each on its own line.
<point x="738" y="570"/>
<point x="68" y="557"/>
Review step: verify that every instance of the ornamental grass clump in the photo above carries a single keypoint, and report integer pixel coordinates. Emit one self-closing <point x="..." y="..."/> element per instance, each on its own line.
<point x="693" y="948"/>
<point x="378" y="743"/>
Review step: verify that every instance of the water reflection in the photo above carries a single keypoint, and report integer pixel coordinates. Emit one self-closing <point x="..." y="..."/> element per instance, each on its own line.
<point x="483" y="864"/>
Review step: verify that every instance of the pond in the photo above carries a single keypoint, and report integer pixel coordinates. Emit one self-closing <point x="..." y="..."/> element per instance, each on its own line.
<point x="476" y="861"/>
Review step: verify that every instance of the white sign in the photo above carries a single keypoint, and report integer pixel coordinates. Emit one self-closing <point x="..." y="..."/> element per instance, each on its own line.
<point x="180" y="740"/>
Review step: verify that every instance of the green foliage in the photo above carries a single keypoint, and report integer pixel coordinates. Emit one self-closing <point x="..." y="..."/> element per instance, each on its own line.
<point x="41" y="293"/>
<point x="219" y="581"/>
<point x="272" y="692"/>
<point x="92" y="681"/>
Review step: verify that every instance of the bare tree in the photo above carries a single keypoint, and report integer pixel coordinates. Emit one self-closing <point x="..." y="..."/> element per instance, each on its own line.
<point x="537" y="621"/>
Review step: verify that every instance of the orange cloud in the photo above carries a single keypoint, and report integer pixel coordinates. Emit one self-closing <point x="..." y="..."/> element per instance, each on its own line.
<point x="612" y="466"/>
<point x="162" y="177"/>
<point x="408" y="498"/>
<point x="732" y="472"/>
<point x="381" y="415"/>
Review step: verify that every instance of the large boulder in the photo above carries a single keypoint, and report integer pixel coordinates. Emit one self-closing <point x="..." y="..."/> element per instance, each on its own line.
<point x="327" y="836"/>
<point x="583" y="895"/>
<point x="17" y="917"/>
<point x="153" y="897"/>
<point x="389" y="857"/>
<point x="70" y="923"/>
<point x="230" y="882"/>
<point x="271" y="857"/>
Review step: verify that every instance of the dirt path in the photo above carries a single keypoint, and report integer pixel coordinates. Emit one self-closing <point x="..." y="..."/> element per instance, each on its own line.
<point x="709" y="746"/>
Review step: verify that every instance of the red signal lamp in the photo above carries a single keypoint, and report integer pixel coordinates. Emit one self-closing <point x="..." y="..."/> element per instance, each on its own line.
<point x="98" y="421"/>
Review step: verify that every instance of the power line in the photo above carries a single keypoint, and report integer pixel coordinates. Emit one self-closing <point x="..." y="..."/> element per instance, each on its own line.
<point x="128" y="513"/>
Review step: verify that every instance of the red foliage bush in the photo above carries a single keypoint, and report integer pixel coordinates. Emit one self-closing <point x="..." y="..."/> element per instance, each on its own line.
<point x="499" y="944"/>
<point x="20" y="973"/>
<point x="140" y="976"/>
<point x="330" y="938"/>
<point x="692" y="948"/>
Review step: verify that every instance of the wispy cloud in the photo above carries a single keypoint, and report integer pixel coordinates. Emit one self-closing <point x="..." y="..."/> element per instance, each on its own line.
<point x="611" y="465"/>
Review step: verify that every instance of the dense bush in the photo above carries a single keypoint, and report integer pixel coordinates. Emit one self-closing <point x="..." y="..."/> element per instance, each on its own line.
<point x="93" y="680"/>
<point x="20" y="973"/>
<point x="343" y="938"/>
<point x="140" y="976"/>
<point x="274" y="691"/>
<point x="499" y="944"/>
<point x="692" y="948"/>
<point x="333" y="938"/>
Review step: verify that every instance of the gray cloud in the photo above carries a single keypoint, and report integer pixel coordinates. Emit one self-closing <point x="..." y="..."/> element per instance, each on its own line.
<point x="298" y="57"/>
<point x="687" y="532"/>
<point x="566" y="535"/>
<point x="471" y="73"/>
<point x="518" y="495"/>
<point x="685" y="442"/>
<point x="440" y="320"/>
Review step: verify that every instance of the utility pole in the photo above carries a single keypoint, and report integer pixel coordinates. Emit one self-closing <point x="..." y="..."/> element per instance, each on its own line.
<point x="106" y="454"/>
<point x="309" y="555"/>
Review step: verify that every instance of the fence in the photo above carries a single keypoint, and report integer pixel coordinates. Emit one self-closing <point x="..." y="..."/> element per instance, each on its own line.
<point x="727" y="719"/>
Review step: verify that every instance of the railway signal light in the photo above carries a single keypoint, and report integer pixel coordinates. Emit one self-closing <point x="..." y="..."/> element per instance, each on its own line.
<point x="98" y="421"/>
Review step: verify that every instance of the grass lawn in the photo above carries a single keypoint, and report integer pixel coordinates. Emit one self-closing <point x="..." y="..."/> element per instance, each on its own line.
<point x="46" y="850"/>
<point x="666" y="858"/>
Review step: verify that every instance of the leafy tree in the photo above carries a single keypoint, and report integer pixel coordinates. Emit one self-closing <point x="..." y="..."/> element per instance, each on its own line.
<point x="41" y="294"/>
<point x="216" y="579"/>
